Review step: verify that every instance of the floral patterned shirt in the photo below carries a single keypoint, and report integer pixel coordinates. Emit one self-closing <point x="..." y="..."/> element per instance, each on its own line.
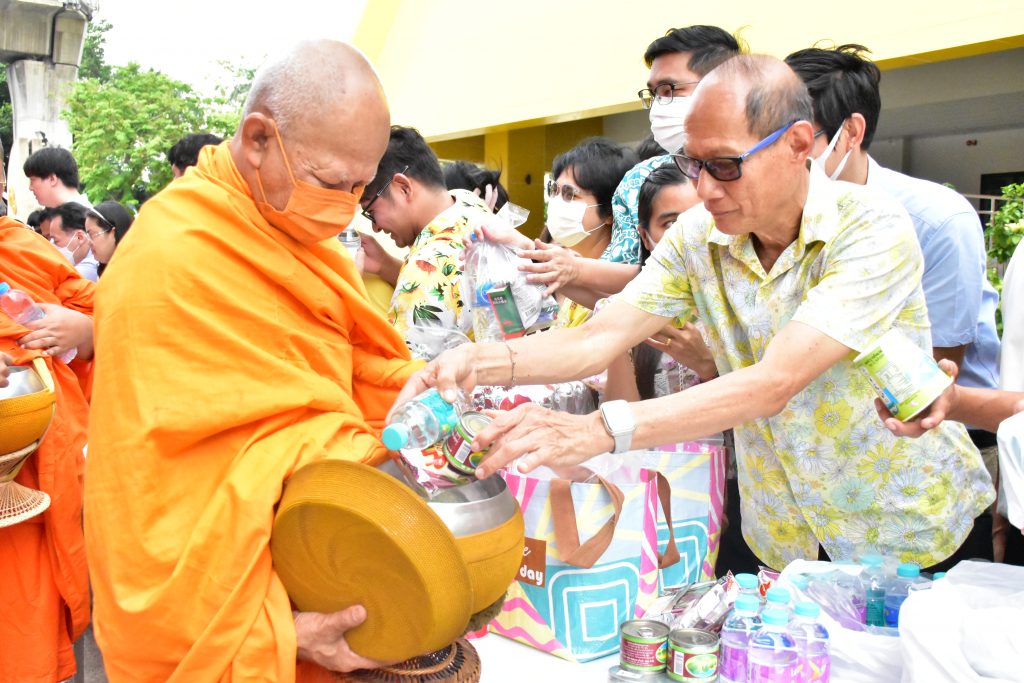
<point x="427" y="291"/>
<point x="824" y="470"/>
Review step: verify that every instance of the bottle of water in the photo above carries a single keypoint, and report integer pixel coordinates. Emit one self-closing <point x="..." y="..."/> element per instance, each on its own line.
<point x="811" y="643"/>
<point x="736" y="634"/>
<point x="873" y="582"/>
<point x="422" y="422"/>
<point x="772" y="656"/>
<point x="907" y="575"/>
<point x="23" y="310"/>
<point x="778" y="598"/>
<point x="749" y="585"/>
<point x="350" y="239"/>
<point x="850" y="586"/>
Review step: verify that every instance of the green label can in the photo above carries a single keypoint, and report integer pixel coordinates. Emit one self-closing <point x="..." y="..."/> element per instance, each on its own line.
<point x="458" y="446"/>
<point x="692" y="655"/>
<point x="904" y="375"/>
<point x="643" y="647"/>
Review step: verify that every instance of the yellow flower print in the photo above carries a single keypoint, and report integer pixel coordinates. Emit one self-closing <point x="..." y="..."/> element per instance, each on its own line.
<point x="833" y="419"/>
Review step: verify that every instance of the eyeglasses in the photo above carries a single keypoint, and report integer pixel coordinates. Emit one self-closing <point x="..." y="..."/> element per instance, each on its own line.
<point x="662" y="94"/>
<point x="366" y="209"/>
<point x="105" y="225"/>
<point x="724" y="168"/>
<point x="567" y="192"/>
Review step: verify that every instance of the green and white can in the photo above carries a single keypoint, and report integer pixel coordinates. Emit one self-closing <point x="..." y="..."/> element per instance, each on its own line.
<point x="904" y="375"/>
<point x="644" y="646"/>
<point x="692" y="655"/>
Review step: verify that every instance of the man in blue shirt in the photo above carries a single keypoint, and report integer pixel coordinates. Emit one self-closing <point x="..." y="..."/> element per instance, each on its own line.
<point x="961" y="301"/>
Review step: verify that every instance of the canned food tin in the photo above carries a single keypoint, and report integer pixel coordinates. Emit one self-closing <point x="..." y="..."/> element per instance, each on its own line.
<point x="904" y="375"/>
<point x="692" y="655"/>
<point x="458" y="448"/>
<point x="644" y="646"/>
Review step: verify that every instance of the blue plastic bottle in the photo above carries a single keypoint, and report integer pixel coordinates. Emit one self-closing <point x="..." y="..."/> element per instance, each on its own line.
<point x="811" y="644"/>
<point x="422" y="422"/>
<point x="749" y="585"/>
<point x="906" y="575"/>
<point x="772" y="656"/>
<point x="872" y="579"/>
<point x="736" y="634"/>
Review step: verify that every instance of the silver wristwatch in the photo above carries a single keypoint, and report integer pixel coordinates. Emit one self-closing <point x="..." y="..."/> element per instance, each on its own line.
<point x="618" y="420"/>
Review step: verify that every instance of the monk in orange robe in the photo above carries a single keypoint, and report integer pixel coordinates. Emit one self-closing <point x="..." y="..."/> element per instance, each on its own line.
<point x="44" y="591"/>
<point x="235" y="344"/>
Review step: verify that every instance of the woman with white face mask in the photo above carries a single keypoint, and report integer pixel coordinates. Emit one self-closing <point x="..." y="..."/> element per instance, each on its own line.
<point x="579" y="212"/>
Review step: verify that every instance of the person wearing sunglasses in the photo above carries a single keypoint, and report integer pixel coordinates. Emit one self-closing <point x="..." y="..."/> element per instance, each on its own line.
<point x="408" y="200"/>
<point x="791" y="276"/>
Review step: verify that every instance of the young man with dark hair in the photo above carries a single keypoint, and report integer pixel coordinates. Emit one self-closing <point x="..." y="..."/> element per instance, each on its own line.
<point x="185" y="152"/>
<point x="67" y="232"/>
<point x="408" y="199"/>
<point x="53" y="177"/>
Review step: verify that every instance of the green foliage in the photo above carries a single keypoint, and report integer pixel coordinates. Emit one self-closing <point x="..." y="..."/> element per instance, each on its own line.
<point x="6" y="116"/>
<point x="94" y="58"/>
<point x="123" y="127"/>
<point x="1006" y="228"/>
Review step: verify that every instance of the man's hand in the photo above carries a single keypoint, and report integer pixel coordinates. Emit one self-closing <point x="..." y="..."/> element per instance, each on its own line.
<point x="540" y="437"/>
<point x="321" y="639"/>
<point x="687" y="347"/>
<point x="450" y="371"/>
<point x="60" y="331"/>
<point x="377" y="261"/>
<point x="932" y="416"/>
<point x="5" y="361"/>
<point x="550" y="265"/>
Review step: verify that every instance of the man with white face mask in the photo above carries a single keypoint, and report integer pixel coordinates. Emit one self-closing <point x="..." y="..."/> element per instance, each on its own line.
<point x="67" y="232"/>
<point x="844" y="87"/>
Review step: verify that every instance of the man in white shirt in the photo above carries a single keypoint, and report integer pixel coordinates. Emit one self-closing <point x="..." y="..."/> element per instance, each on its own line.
<point x="53" y="177"/>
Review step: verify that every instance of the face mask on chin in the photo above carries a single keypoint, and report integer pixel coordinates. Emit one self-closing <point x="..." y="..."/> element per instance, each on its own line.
<point x="823" y="157"/>
<point x="565" y="221"/>
<point x="312" y="213"/>
<point x="667" y="123"/>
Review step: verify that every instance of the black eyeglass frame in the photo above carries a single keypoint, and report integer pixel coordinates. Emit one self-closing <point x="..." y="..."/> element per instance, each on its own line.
<point x="366" y="209"/>
<point x="648" y="96"/>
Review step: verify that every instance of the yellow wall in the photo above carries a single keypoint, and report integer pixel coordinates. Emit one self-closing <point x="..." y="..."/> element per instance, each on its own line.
<point x="455" y="68"/>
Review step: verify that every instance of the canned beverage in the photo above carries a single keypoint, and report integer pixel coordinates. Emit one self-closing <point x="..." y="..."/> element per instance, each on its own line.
<point x="458" y="449"/>
<point x="692" y="655"/>
<point x="644" y="646"/>
<point x="904" y="375"/>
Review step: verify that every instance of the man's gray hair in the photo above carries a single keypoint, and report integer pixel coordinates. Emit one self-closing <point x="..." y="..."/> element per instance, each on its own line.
<point x="776" y="95"/>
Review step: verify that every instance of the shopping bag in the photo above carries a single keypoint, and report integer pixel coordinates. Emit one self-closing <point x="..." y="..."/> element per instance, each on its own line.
<point x="571" y="596"/>
<point x="695" y="471"/>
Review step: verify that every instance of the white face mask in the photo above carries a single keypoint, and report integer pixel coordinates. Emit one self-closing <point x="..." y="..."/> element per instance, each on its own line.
<point x="565" y="221"/>
<point x="67" y="253"/>
<point x="823" y="157"/>
<point x="667" y="123"/>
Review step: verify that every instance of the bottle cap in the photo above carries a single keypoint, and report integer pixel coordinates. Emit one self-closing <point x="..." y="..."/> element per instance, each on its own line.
<point x="778" y="596"/>
<point x="4" y="288"/>
<point x="395" y="436"/>
<point x="748" y="603"/>
<point x="807" y="609"/>
<point x="775" y="616"/>
<point x="938" y="575"/>
<point x="872" y="560"/>
<point x="800" y="581"/>
<point x="908" y="570"/>
<point x="746" y="581"/>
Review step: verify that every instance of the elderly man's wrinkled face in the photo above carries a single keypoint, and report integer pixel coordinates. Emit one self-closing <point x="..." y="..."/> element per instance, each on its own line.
<point x="717" y="127"/>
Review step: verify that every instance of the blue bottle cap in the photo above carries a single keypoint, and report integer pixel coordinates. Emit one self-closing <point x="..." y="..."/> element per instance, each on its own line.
<point x="775" y="616"/>
<point x="4" y="288"/>
<point x="778" y="596"/>
<point x="908" y="570"/>
<point x="807" y="609"/>
<point x="746" y="581"/>
<point x="872" y="560"/>
<point x="938" y="575"/>
<point x="748" y="603"/>
<point x="800" y="581"/>
<point x="395" y="436"/>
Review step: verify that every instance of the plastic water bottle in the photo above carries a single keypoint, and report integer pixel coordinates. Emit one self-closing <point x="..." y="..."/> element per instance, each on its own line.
<point x="736" y="634"/>
<point x="23" y="310"/>
<point x="907" y="575"/>
<point x="778" y="598"/>
<point x="772" y="656"/>
<point x="350" y="239"/>
<point x="873" y="582"/>
<point x="749" y="585"/>
<point x="422" y="422"/>
<point x="811" y="643"/>
<point x="851" y="587"/>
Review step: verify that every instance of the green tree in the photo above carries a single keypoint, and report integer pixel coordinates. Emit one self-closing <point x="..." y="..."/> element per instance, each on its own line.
<point x="6" y="116"/>
<point x="123" y="127"/>
<point x="94" y="57"/>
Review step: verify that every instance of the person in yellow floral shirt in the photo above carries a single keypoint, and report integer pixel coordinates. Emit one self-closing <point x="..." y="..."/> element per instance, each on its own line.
<point x="408" y="200"/>
<point x="791" y="275"/>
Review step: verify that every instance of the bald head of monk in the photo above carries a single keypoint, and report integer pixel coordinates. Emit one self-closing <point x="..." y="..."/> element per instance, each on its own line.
<point x="328" y="106"/>
<point x="748" y="136"/>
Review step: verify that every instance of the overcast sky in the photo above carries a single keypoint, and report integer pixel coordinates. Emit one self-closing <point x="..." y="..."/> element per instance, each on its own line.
<point x="187" y="38"/>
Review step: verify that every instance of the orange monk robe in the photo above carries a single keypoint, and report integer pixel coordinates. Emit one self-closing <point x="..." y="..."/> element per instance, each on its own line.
<point x="44" y="592"/>
<point x="229" y="354"/>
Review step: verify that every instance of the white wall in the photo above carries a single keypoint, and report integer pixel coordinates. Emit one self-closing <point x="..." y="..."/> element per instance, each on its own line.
<point x="948" y="159"/>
